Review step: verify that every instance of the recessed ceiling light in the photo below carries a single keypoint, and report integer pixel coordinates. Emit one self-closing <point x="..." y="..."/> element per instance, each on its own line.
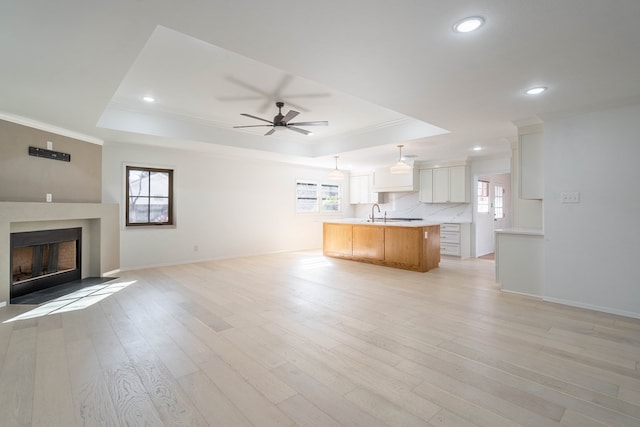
<point x="477" y="148"/>
<point x="535" y="90"/>
<point x="469" y="24"/>
<point x="148" y="98"/>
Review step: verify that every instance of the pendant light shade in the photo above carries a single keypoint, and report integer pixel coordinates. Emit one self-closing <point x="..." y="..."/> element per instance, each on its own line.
<point x="400" y="166"/>
<point x="336" y="173"/>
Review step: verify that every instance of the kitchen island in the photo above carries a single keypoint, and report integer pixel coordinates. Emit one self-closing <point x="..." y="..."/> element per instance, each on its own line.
<point x="409" y="245"/>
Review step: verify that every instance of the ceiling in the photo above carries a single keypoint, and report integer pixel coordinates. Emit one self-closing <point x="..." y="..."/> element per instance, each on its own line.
<point x="381" y="73"/>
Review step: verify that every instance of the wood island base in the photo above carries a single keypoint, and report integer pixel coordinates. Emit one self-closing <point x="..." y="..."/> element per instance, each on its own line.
<point x="415" y="248"/>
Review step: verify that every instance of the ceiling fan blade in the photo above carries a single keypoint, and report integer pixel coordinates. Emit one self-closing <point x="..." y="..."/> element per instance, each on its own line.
<point x="257" y="118"/>
<point x="270" y="132"/>
<point x="252" y="126"/>
<point x="290" y="115"/>
<point x="302" y="131"/>
<point x="319" y="123"/>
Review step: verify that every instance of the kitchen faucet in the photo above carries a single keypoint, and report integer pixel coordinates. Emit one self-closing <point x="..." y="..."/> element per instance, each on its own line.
<point x="375" y="205"/>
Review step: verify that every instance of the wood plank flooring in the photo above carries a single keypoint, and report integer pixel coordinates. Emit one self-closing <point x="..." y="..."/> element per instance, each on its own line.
<point x="299" y="339"/>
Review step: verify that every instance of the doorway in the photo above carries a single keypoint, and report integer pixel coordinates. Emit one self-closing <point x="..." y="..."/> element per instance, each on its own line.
<point x="492" y="210"/>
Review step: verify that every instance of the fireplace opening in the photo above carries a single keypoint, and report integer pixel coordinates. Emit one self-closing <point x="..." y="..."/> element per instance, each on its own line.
<point x="42" y="259"/>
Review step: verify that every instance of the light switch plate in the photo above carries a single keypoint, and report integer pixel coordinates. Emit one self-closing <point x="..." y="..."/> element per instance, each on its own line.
<point x="570" y="197"/>
<point x="49" y="197"/>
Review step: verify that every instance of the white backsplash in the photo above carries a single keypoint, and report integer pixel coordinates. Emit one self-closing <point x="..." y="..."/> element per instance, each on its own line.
<point x="407" y="205"/>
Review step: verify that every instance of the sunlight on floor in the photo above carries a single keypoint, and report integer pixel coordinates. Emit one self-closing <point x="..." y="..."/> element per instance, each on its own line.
<point x="314" y="262"/>
<point x="77" y="300"/>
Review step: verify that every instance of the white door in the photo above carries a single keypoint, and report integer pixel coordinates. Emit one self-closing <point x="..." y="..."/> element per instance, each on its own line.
<point x="501" y="197"/>
<point x="493" y="210"/>
<point x="484" y="217"/>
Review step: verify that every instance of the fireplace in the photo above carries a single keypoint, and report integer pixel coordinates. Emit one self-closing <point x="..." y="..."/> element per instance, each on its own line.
<point x="42" y="259"/>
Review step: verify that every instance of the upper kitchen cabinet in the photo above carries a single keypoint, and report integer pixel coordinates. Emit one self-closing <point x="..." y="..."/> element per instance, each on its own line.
<point x="384" y="181"/>
<point x="361" y="189"/>
<point x="530" y="153"/>
<point x="445" y="185"/>
<point x="426" y="186"/>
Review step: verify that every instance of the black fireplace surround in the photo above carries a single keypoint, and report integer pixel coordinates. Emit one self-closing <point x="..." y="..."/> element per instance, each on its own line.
<point x="42" y="270"/>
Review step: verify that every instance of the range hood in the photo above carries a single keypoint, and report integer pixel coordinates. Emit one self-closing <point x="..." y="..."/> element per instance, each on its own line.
<point x="386" y="182"/>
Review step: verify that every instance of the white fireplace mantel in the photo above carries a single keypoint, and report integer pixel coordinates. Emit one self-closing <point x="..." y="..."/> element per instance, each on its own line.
<point x="100" y="225"/>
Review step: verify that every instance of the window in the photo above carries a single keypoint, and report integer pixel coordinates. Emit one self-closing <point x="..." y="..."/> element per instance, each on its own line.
<point x="149" y="196"/>
<point x="483" y="196"/>
<point x="317" y="197"/>
<point x="498" y="202"/>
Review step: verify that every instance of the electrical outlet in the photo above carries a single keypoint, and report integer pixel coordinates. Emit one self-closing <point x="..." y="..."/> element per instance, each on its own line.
<point x="49" y="145"/>
<point x="426" y="235"/>
<point x="49" y="197"/>
<point x="570" y="197"/>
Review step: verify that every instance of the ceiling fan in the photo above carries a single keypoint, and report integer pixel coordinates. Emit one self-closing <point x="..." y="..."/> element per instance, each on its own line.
<point x="283" y="122"/>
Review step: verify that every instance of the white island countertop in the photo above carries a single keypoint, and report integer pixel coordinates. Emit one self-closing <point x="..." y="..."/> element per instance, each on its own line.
<point x="390" y="222"/>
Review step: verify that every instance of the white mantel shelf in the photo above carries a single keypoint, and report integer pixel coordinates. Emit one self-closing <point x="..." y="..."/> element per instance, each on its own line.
<point x="100" y="224"/>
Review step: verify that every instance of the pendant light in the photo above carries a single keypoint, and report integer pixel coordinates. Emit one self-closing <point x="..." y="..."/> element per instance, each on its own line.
<point x="400" y="166"/>
<point x="336" y="173"/>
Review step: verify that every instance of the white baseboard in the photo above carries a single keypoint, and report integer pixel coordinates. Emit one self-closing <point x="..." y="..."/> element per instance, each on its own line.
<point x="3" y="303"/>
<point x="522" y="293"/>
<point x="593" y="307"/>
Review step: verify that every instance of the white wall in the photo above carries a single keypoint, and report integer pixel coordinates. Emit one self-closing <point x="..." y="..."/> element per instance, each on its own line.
<point x="592" y="249"/>
<point x="227" y="207"/>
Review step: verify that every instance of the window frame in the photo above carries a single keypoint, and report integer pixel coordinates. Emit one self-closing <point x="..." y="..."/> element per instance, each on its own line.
<point x="320" y="184"/>
<point x="170" y="197"/>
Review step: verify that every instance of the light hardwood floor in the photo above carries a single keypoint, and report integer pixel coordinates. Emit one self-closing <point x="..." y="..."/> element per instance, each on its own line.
<point x="299" y="339"/>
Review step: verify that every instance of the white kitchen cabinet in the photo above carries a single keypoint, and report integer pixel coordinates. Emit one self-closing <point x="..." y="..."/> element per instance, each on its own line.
<point x="459" y="188"/>
<point x="455" y="240"/>
<point x="531" y="176"/>
<point x="360" y="189"/>
<point x="441" y="185"/>
<point x="445" y="185"/>
<point x="385" y="181"/>
<point x="426" y="186"/>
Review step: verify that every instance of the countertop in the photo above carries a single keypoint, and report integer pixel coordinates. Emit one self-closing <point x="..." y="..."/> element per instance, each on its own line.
<point x="392" y="223"/>
<point x="521" y="230"/>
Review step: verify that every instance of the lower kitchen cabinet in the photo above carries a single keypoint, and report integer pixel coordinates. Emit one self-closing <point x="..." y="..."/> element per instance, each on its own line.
<point x="455" y="240"/>
<point x="368" y="242"/>
<point x="338" y="240"/>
